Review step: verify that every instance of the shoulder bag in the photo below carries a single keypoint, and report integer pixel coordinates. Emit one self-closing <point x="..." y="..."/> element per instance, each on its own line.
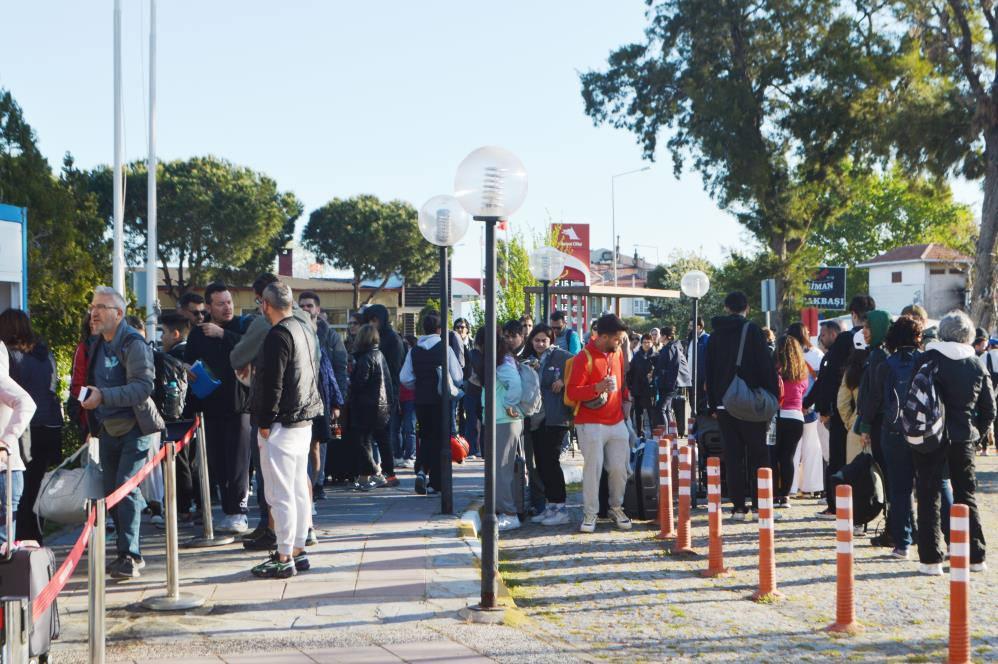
<point x="746" y="403"/>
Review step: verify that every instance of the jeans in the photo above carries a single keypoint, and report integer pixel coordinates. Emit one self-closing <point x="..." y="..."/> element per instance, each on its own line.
<point x="601" y="445"/>
<point x="745" y="451"/>
<point x="901" y="480"/>
<point x="17" y="489"/>
<point x="781" y="455"/>
<point x="538" y="502"/>
<point x="408" y="437"/>
<point x="643" y="418"/>
<point x="472" y="422"/>
<point x="394" y="430"/>
<point x="928" y="479"/>
<point x="121" y="458"/>
<point x="261" y="483"/>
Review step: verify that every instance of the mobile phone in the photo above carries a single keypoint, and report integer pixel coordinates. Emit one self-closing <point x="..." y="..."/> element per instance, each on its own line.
<point x="84" y="393"/>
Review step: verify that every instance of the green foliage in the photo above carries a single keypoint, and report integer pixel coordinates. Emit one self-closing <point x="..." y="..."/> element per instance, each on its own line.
<point x="215" y="220"/>
<point x="67" y="251"/>
<point x="372" y="238"/>
<point x="668" y="276"/>
<point x="765" y="98"/>
<point x="513" y="272"/>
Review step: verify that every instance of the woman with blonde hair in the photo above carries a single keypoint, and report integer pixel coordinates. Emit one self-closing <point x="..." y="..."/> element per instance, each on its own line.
<point x="793" y="380"/>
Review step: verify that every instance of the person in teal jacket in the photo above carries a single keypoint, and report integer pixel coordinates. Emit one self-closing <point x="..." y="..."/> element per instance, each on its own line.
<point x="509" y="431"/>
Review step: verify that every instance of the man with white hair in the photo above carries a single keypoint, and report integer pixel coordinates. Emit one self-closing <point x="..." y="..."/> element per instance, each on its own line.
<point x="285" y="401"/>
<point x="964" y="388"/>
<point x="119" y="405"/>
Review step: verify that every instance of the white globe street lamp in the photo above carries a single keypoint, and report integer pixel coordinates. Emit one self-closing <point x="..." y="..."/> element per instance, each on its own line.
<point x="694" y="285"/>
<point x="546" y="264"/>
<point x="491" y="184"/>
<point x="443" y="222"/>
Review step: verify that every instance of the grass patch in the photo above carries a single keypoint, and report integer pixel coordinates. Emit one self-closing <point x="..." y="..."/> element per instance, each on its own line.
<point x="573" y="487"/>
<point x="677" y="612"/>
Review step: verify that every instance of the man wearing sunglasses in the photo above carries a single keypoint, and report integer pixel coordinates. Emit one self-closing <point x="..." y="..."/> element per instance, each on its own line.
<point x="191" y="306"/>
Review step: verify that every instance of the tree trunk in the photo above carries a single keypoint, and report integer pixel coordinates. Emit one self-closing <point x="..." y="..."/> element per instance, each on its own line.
<point x="384" y="282"/>
<point x="356" y="292"/>
<point x="983" y="277"/>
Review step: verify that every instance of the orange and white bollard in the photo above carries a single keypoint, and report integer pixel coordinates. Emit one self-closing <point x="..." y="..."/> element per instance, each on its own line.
<point x="767" y="553"/>
<point x="658" y="431"/>
<point x="845" y="607"/>
<point x="683" y="543"/>
<point x="666" y="527"/>
<point x="959" y="585"/>
<point x="715" y="545"/>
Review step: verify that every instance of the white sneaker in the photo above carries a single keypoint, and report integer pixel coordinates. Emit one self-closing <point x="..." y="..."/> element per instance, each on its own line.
<point x="233" y="523"/>
<point x="979" y="567"/>
<point x="540" y="518"/>
<point x="858" y="530"/>
<point x="748" y="516"/>
<point x="509" y="522"/>
<point x="620" y="519"/>
<point x="588" y="523"/>
<point x="558" y="516"/>
<point x="315" y="512"/>
<point x="935" y="569"/>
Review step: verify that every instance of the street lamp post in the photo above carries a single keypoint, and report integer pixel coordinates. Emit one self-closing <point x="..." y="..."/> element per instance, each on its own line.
<point x="491" y="184"/>
<point x="613" y="216"/>
<point x="546" y="264"/>
<point x="443" y="222"/>
<point x="695" y="285"/>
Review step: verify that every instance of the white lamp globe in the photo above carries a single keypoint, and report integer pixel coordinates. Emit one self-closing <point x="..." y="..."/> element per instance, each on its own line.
<point x="547" y="263"/>
<point x="694" y="284"/>
<point x="491" y="182"/>
<point x="443" y="221"/>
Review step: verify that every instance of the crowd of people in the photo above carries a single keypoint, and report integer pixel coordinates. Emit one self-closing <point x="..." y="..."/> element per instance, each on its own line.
<point x="291" y="404"/>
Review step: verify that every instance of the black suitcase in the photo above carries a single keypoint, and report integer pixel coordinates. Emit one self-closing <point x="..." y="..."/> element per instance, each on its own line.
<point x="641" y="491"/>
<point x="24" y="572"/>
<point x="520" y="497"/>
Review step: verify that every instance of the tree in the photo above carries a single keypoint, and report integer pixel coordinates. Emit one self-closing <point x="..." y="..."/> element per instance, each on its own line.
<point x="767" y="97"/>
<point x="68" y="254"/>
<point x="215" y="220"/>
<point x="373" y="239"/>
<point x="513" y="272"/>
<point x="947" y="113"/>
<point x="676" y="312"/>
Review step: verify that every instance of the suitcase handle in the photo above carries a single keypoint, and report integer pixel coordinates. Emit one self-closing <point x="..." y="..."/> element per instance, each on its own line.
<point x="8" y="506"/>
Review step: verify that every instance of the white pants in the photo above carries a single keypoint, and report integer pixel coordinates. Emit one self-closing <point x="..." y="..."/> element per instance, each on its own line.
<point x="601" y="445"/>
<point x="284" y="464"/>
<point x="809" y="475"/>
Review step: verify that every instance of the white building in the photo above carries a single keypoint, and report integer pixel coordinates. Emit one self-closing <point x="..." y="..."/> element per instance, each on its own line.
<point x="13" y="257"/>
<point x="930" y="275"/>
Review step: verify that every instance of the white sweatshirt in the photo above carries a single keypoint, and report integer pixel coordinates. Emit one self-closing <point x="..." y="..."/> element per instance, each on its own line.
<point x="16" y="411"/>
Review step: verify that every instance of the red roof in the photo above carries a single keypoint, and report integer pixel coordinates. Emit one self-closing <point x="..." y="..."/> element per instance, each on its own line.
<point x="927" y="253"/>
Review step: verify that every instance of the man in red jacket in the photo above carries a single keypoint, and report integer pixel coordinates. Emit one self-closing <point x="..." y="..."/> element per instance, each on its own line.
<point x="596" y="383"/>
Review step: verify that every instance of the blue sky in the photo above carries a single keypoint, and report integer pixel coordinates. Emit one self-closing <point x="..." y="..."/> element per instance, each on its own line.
<point x="339" y="98"/>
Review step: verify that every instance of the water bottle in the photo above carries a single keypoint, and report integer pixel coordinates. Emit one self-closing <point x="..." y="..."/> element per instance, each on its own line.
<point x="171" y="399"/>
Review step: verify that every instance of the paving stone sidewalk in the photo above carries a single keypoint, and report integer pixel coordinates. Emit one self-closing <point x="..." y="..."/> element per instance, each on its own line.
<point x="387" y="579"/>
<point x="620" y="596"/>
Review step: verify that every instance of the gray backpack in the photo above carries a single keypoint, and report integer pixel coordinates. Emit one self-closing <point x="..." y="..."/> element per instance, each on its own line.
<point x="530" y="397"/>
<point x="744" y="402"/>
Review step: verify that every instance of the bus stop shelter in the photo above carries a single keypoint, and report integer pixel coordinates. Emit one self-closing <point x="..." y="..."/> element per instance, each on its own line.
<point x="583" y="303"/>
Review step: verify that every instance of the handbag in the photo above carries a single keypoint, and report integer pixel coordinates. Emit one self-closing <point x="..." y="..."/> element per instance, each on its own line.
<point x="600" y="400"/>
<point x="746" y="403"/>
<point x="65" y="491"/>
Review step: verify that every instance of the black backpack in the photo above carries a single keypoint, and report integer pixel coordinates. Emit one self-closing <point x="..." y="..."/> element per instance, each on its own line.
<point x="901" y="368"/>
<point x="867" y="482"/>
<point x="170" y="391"/>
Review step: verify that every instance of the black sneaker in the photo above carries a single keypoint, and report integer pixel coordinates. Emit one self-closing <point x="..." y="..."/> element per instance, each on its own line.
<point x="264" y="541"/>
<point x="255" y="533"/>
<point x="883" y="540"/>
<point x="827" y="513"/>
<point x="301" y="562"/>
<point x="421" y="483"/>
<point x="128" y="568"/>
<point x="113" y="565"/>
<point x="274" y="568"/>
<point x="318" y="492"/>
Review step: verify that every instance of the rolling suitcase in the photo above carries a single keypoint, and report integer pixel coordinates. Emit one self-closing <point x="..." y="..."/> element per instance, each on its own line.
<point x="641" y="491"/>
<point x="24" y="572"/>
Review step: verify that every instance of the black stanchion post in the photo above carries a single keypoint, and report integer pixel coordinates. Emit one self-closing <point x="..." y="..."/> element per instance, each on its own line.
<point x="208" y="538"/>
<point x="546" y="287"/>
<point x="446" y="470"/>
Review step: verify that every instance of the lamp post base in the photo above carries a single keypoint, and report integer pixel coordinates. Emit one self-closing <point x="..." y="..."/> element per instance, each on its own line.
<point x="482" y="616"/>
<point x="182" y="602"/>
<point x="205" y="542"/>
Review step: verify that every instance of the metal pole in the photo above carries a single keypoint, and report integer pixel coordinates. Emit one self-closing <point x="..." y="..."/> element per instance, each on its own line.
<point x="693" y="369"/>
<point x="446" y="471"/>
<point x="118" y="256"/>
<point x="152" y="305"/>
<point x="16" y="627"/>
<point x="767" y="319"/>
<point x="208" y="538"/>
<point x="613" y="224"/>
<point x="173" y="600"/>
<point x="95" y="562"/>
<point x="546" y="285"/>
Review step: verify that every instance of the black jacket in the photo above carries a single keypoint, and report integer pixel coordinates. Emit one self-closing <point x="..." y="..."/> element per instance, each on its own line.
<point x="667" y="365"/>
<point x="332" y="343"/>
<point x="392" y="346"/>
<point x="286" y="390"/>
<point x="964" y="387"/>
<point x="640" y="375"/>
<point x="757" y="370"/>
<point x="870" y="398"/>
<point x="231" y="396"/>
<point x="823" y="396"/>
<point x="474" y="372"/>
<point x="369" y="390"/>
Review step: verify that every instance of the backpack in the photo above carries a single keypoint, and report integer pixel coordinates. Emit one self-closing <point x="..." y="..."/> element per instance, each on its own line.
<point x="989" y="364"/>
<point x="574" y="405"/>
<point x="901" y="365"/>
<point x="170" y="386"/>
<point x="685" y="376"/>
<point x="867" y="482"/>
<point x="923" y="416"/>
<point x="530" y="396"/>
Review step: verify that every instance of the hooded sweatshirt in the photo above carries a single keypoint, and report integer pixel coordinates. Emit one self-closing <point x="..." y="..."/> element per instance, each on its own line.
<point x="16" y="411"/>
<point x="964" y="388"/>
<point x="410" y="375"/>
<point x="757" y="369"/>
<point x="392" y="345"/>
<point x="870" y="402"/>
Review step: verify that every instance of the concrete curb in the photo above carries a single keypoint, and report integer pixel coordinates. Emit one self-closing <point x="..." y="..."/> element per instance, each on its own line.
<point x="470" y="528"/>
<point x="470" y="523"/>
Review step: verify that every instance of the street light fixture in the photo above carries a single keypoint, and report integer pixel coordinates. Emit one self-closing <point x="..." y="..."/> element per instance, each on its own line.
<point x="613" y="218"/>
<point x="546" y="264"/>
<point x="694" y="285"/>
<point x="491" y="184"/>
<point x="443" y="222"/>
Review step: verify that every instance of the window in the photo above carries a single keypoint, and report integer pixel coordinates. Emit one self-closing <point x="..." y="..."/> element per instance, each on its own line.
<point x="937" y="270"/>
<point x="955" y="270"/>
<point x="895" y="277"/>
<point x="641" y="307"/>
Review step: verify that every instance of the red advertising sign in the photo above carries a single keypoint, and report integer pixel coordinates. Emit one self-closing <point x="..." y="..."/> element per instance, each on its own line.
<point x="573" y="241"/>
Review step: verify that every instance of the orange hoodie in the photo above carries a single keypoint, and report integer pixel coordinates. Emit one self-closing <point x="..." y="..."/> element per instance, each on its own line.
<point x="581" y="385"/>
